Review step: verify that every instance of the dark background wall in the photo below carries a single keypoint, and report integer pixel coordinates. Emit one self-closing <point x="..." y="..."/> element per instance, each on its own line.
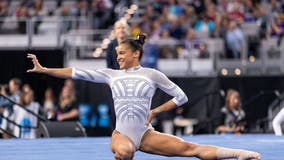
<point x="13" y="63"/>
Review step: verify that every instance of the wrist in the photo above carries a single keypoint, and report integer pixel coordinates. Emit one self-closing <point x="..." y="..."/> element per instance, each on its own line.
<point x="155" y="111"/>
<point x="43" y="69"/>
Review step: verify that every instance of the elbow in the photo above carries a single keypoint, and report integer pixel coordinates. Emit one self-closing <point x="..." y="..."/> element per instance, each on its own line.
<point x="185" y="99"/>
<point x="180" y="101"/>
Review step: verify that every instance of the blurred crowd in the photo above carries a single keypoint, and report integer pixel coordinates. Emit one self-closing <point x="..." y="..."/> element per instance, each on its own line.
<point x="187" y="24"/>
<point x="100" y="12"/>
<point x="62" y="108"/>
<point x="194" y="21"/>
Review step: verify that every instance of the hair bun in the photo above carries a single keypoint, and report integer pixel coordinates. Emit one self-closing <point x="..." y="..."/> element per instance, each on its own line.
<point x="141" y="38"/>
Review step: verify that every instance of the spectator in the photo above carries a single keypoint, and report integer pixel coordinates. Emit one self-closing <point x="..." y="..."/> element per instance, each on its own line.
<point x="191" y="44"/>
<point x="263" y="21"/>
<point x="67" y="107"/>
<point x="150" y="55"/>
<point x="175" y="9"/>
<point x="22" y="16"/>
<point x="276" y="28"/>
<point x="3" y="91"/>
<point x="232" y="114"/>
<point x="121" y="31"/>
<point x="249" y="11"/>
<point x="101" y="12"/>
<point x="156" y="30"/>
<point x="66" y="11"/>
<point x="188" y="18"/>
<point x="49" y="106"/>
<point x="24" y="118"/>
<point x="175" y="28"/>
<point x="236" y="11"/>
<point x="37" y="11"/>
<point x="204" y="26"/>
<point x="235" y="39"/>
<point x="69" y="83"/>
<point x="3" y="11"/>
<point x="167" y="45"/>
<point x="14" y="87"/>
<point x="215" y="17"/>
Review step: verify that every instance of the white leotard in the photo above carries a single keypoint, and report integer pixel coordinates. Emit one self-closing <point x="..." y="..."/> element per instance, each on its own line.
<point x="132" y="91"/>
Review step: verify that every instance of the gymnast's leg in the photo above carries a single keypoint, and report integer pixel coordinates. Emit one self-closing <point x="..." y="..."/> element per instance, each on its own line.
<point x="122" y="147"/>
<point x="169" y="145"/>
<point x="276" y="123"/>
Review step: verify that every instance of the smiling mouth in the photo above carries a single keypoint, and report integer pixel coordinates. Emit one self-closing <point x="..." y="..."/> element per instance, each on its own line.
<point x="120" y="62"/>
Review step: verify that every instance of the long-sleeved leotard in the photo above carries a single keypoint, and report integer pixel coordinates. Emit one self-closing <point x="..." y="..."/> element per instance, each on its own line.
<point x="132" y="91"/>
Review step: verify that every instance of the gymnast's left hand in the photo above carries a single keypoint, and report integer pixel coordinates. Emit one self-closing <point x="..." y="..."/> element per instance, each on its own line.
<point x="150" y="116"/>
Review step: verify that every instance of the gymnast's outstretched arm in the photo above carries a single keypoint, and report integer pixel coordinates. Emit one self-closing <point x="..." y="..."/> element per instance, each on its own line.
<point x="98" y="76"/>
<point x="56" y="72"/>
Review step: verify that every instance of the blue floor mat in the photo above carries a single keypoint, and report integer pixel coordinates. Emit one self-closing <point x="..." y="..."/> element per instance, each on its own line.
<point x="271" y="147"/>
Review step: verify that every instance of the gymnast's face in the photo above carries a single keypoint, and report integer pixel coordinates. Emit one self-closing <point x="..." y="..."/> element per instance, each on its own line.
<point x="126" y="58"/>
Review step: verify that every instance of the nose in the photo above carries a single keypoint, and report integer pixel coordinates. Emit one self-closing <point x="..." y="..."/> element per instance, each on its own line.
<point x="117" y="58"/>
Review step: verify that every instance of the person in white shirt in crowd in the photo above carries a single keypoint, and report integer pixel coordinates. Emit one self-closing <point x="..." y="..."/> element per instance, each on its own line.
<point x="25" y="119"/>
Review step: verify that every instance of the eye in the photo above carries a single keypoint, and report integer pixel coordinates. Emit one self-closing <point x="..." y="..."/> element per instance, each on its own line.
<point x="121" y="52"/>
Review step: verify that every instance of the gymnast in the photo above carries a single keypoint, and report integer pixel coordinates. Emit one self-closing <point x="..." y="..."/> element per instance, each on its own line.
<point x="133" y="87"/>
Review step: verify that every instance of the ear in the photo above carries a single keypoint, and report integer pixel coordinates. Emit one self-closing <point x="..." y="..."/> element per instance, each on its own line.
<point x="136" y="54"/>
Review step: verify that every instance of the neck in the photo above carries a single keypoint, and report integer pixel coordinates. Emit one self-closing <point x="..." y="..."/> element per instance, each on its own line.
<point x="135" y="64"/>
<point x="133" y="67"/>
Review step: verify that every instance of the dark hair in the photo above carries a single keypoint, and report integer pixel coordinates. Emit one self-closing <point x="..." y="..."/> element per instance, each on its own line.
<point x="17" y="81"/>
<point x="136" y="44"/>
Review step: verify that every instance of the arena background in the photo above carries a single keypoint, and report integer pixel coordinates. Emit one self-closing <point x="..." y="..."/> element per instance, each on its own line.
<point x="257" y="74"/>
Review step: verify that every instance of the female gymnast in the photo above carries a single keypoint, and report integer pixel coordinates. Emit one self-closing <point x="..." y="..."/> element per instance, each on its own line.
<point x="133" y="87"/>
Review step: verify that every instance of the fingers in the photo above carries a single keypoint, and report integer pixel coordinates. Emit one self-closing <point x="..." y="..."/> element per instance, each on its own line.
<point x="148" y="121"/>
<point x="29" y="55"/>
<point x="30" y="70"/>
<point x="32" y="56"/>
<point x="34" y="60"/>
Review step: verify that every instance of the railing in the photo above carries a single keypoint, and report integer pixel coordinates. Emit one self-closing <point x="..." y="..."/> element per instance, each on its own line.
<point x="46" y="32"/>
<point x="75" y="36"/>
<point x="16" y="124"/>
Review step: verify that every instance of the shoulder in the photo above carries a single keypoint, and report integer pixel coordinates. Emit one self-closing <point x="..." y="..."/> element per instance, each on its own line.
<point x="113" y="44"/>
<point x="35" y="105"/>
<point x="154" y="74"/>
<point x="152" y="71"/>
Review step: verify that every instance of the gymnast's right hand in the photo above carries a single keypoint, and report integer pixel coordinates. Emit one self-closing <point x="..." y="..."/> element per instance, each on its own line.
<point x="37" y="66"/>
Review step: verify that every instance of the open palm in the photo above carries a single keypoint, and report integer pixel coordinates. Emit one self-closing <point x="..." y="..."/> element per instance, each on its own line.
<point x="37" y="66"/>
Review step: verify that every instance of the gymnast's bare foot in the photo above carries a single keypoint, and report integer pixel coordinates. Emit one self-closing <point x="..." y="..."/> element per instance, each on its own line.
<point x="244" y="155"/>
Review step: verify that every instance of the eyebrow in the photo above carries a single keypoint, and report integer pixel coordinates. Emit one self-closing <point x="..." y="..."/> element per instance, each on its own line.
<point x="121" y="51"/>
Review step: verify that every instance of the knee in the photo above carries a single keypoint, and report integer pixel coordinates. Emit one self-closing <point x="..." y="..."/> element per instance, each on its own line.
<point x="123" y="152"/>
<point x="188" y="149"/>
